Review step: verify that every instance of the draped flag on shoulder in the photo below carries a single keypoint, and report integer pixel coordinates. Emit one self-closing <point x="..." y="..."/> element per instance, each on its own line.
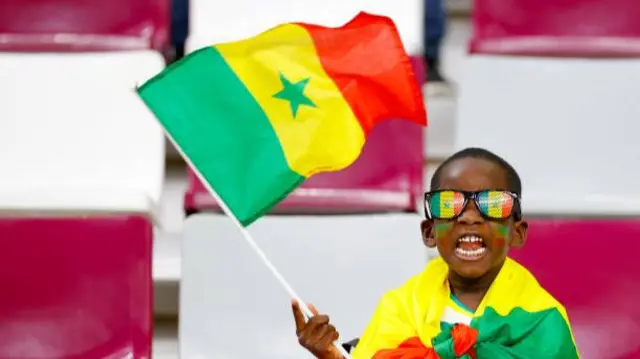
<point x="257" y="117"/>
<point x="517" y="319"/>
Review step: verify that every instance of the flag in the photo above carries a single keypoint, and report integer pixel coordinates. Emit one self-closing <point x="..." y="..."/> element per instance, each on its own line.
<point x="516" y="319"/>
<point x="257" y="117"/>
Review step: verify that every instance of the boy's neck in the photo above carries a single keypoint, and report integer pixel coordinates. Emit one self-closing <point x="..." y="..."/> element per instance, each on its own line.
<point x="470" y="291"/>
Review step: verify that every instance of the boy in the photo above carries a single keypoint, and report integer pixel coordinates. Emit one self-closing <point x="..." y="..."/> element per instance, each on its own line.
<point x="473" y="302"/>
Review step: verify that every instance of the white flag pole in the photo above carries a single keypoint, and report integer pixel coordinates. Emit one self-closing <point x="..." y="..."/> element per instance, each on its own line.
<point x="247" y="236"/>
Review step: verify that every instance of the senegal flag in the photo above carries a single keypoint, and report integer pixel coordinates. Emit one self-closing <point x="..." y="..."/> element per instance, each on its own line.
<point x="257" y="117"/>
<point x="517" y="319"/>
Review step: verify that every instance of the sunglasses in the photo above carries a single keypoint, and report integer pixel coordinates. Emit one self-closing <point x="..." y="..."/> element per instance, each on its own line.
<point x="492" y="204"/>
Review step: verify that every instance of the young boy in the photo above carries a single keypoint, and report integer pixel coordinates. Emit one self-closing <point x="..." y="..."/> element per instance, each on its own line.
<point x="473" y="302"/>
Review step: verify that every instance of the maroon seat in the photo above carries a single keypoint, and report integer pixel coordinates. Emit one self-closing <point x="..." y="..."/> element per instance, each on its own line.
<point x="83" y="25"/>
<point x="419" y="69"/>
<point x="386" y="177"/>
<point x="582" y="28"/>
<point x="76" y="288"/>
<point x="590" y="265"/>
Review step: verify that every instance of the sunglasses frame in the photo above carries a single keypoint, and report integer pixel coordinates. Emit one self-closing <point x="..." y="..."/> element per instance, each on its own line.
<point x="515" y="212"/>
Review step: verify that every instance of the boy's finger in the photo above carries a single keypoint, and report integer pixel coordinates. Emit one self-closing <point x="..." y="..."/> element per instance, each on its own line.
<point x="313" y="309"/>
<point x="301" y="321"/>
<point x="326" y="341"/>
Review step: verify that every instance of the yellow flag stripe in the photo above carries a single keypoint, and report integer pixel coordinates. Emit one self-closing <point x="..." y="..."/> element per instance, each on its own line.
<point x="518" y="288"/>
<point x="495" y="208"/>
<point x="322" y="136"/>
<point x="495" y="204"/>
<point x="447" y="204"/>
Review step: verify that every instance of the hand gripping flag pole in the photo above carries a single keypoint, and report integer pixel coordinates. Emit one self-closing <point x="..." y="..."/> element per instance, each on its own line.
<point x="258" y="251"/>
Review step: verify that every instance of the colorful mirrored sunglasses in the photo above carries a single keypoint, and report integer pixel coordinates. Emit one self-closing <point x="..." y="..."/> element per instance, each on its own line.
<point x="492" y="204"/>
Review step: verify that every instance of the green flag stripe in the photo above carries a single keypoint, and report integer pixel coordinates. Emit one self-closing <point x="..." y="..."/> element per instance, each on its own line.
<point x="519" y="335"/>
<point x="198" y="102"/>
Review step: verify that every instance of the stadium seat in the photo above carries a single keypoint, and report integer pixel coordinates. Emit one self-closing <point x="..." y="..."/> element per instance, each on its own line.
<point x="386" y="178"/>
<point x="83" y="168"/>
<point x="76" y="211"/>
<point x="550" y="86"/>
<point x="557" y="28"/>
<point x="76" y="287"/>
<point x="99" y="25"/>
<point x="229" y="298"/>
<point x="565" y="122"/>
<point x="217" y="21"/>
<point x="589" y="266"/>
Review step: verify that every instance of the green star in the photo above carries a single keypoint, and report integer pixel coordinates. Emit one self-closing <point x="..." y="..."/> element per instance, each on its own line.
<point x="294" y="93"/>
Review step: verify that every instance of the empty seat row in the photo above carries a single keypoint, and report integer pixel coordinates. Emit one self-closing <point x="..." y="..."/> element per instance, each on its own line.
<point x="78" y="212"/>
<point x="83" y="169"/>
<point x="550" y="85"/>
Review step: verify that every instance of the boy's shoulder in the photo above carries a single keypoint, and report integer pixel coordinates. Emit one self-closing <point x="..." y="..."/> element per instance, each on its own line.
<point x="521" y="286"/>
<point x="434" y="274"/>
<point x="514" y="284"/>
<point x="414" y="298"/>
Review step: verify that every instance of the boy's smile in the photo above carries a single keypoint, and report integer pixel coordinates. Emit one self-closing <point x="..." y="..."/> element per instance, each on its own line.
<point x="470" y="247"/>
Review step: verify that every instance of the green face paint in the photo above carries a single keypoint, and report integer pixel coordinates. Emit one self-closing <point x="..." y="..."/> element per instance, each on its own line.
<point x="503" y="235"/>
<point x="442" y="228"/>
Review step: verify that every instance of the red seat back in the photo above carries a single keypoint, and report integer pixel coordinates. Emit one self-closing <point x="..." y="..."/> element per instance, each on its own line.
<point x="577" y="28"/>
<point x="590" y="266"/>
<point x="83" y="25"/>
<point x="76" y="288"/>
<point x="386" y="177"/>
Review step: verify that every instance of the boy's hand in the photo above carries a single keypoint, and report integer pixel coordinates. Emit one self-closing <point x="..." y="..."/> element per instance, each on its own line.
<point x="316" y="335"/>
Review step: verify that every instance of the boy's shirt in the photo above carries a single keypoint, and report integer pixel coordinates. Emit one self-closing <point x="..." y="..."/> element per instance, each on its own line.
<point x="421" y="319"/>
<point x="456" y="312"/>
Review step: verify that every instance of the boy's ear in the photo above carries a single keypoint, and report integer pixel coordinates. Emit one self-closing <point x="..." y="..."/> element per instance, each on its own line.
<point x="428" y="235"/>
<point x="519" y="234"/>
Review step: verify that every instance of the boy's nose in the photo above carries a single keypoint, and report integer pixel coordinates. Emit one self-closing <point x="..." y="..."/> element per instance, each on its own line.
<point x="470" y="214"/>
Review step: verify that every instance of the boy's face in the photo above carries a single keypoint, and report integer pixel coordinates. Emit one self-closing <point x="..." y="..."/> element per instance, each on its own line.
<point x="472" y="174"/>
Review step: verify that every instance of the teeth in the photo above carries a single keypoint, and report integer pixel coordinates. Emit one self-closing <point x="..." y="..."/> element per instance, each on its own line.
<point x="470" y="239"/>
<point x="470" y="252"/>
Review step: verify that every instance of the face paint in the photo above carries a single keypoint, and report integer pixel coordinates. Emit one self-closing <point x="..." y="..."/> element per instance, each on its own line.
<point x="504" y="235"/>
<point x="442" y="228"/>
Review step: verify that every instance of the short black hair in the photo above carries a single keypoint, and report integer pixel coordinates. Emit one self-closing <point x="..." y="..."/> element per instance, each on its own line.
<point x="513" y="179"/>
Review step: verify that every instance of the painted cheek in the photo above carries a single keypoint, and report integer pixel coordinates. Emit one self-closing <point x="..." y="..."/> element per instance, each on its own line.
<point x="442" y="228"/>
<point x="503" y="231"/>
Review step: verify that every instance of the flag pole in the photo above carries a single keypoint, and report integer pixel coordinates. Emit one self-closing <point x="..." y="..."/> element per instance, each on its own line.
<point x="252" y="243"/>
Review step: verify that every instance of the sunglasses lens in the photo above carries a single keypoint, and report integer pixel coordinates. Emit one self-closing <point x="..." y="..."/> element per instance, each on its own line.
<point x="446" y="204"/>
<point x="495" y="204"/>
